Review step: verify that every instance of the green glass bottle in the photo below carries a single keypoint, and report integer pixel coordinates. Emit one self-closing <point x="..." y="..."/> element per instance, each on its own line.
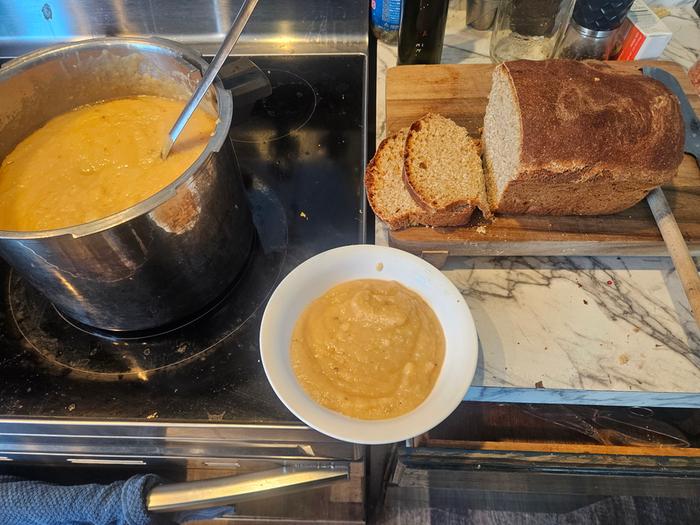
<point x="422" y="31"/>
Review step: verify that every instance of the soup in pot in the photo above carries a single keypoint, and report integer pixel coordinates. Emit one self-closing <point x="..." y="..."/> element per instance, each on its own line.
<point x="95" y="161"/>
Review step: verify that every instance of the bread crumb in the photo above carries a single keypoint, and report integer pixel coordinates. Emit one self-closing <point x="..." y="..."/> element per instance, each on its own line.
<point x="596" y="79"/>
<point x="379" y="266"/>
<point x="539" y="384"/>
<point x="152" y="416"/>
<point x="624" y="359"/>
<point x="481" y="230"/>
<point x="303" y="215"/>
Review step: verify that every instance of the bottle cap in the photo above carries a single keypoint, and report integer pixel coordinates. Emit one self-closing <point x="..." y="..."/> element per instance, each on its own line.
<point x="601" y="15"/>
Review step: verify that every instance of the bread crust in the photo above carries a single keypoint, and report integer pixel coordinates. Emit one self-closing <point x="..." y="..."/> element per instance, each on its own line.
<point x="446" y="218"/>
<point x="595" y="198"/>
<point x="589" y="127"/>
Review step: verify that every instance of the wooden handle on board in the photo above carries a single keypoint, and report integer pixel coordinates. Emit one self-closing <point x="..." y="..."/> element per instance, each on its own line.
<point x="685" y="266"/>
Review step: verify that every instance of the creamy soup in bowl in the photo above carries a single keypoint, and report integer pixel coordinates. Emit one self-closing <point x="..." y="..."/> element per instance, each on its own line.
<point x="397" y="330"/>
<point x="368" y="348"/>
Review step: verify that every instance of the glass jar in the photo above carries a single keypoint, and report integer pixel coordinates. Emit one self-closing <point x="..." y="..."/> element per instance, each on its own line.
<point x="529" y="29"/>
<point x="593" y="32"/>
<point x="481" y="13"/>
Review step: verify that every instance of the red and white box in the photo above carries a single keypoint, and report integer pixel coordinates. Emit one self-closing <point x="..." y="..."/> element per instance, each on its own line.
<point x="646" y="36"/>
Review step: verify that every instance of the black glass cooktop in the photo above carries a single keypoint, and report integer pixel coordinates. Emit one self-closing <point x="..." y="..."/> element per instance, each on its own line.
<point x="301" y="152"/>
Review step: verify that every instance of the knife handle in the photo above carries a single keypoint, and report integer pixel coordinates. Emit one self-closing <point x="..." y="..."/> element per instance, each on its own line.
<point x="675" y="243"/>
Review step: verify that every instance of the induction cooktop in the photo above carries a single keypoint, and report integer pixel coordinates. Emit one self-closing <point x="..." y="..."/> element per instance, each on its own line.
<point x="301" y="151"/>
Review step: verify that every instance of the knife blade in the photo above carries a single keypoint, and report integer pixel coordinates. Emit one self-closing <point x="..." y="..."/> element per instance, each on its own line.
<point x="690" y="119"/>
<point x="685" y="265"/>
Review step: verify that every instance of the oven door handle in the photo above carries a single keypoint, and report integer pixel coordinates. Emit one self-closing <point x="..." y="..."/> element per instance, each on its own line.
<point x="201" y="494"/>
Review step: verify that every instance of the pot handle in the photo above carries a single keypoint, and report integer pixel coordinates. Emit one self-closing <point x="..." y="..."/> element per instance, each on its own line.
<point x="202" y="494"/>
<point x="247" y="84"/>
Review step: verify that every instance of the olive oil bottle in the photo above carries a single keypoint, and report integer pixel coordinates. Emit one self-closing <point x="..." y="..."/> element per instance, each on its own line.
<point x="422" y="31"/>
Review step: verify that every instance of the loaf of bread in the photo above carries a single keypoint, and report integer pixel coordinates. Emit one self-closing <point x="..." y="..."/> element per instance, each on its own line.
<point x="442" y="167"/>
<point x="389" y="197"/>
<point x="563" y="137"/>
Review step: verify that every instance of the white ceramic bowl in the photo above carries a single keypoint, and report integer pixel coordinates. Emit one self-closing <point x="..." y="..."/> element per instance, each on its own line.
<point x="312" y="279"/>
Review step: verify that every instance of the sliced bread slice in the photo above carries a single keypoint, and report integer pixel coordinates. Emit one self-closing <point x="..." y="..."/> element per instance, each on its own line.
<point x="442" y="166"/>
<point x="389" y="197"/>
<point x="501" y="137"/>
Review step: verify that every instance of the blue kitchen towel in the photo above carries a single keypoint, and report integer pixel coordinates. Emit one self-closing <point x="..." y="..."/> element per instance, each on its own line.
<point x="25" y="502"/>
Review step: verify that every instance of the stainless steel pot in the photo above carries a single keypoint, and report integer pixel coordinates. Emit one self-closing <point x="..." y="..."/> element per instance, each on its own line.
<point x="163" y="258"/>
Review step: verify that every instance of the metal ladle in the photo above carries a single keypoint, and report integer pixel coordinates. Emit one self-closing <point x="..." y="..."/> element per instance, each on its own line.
<point x="210" y="74"/>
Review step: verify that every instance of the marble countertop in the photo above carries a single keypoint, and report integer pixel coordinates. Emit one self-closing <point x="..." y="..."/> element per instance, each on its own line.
<point x="608" y="330"/>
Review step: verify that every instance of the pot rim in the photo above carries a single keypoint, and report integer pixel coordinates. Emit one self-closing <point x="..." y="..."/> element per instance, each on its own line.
<point x="224" y="117"/>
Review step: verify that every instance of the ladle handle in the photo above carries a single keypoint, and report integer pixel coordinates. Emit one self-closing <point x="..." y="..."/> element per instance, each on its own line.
<point x="221" y="55"/>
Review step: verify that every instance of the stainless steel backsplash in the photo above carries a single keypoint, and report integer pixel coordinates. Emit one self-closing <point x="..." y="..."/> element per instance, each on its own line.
<point x="276" y="27"/>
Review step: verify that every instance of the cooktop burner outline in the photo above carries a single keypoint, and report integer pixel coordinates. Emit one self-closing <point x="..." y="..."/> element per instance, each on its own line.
<point x="114" y="356"/>
<point x="288" y="109"/>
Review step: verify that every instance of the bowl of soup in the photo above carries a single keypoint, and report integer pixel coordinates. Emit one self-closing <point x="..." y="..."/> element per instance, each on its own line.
<point x="368" y="344"/>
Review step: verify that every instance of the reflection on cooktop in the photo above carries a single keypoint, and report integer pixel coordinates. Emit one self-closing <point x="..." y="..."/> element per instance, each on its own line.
<point x="287" y="109"/>
<point x="110" y="357"/>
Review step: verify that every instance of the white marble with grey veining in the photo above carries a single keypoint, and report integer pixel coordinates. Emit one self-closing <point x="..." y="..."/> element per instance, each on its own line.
<point x="574" y="330"/>
<point x="598" y="326"/>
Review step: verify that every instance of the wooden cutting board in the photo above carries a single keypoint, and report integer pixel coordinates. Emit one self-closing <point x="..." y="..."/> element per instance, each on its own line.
<point x="461" y="92"/>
